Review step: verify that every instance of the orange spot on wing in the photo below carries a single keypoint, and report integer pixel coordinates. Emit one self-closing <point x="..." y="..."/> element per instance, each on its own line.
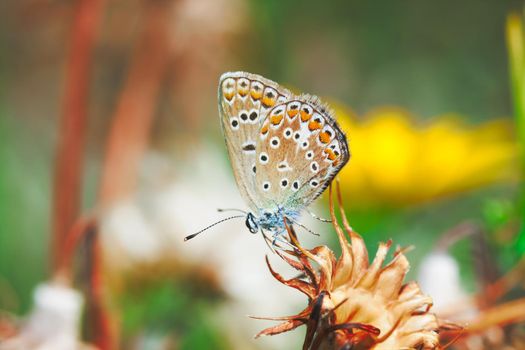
<point x="305" y="116"/>
<point x="330" y="153"/>
<point x="292" y="113"/>
<point x="335" y="162"/>
<point x="324" y="137"/>
<point x="313" y="125"/>
<point x="256" y="95"/>
<point x="243" y="92"/>
<point x="276" y="119"/>
<point x="228" y="95"/>
<point x="264" y="129"/>
<point x="268" y="102"/>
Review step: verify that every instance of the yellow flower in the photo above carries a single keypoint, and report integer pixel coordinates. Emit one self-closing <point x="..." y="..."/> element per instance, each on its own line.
<point x="354" y="304"/>
<point x="395" y="162"/>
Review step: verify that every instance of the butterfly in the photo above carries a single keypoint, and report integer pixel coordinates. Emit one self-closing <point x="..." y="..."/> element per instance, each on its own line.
<point x="284" y="149"/>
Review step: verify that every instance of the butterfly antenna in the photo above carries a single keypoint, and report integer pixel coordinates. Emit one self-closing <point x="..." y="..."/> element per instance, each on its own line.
<point x="222" y="210"/>
<point x="306" y="228"/>
<point x="187" y="238"/>
<point x="319" y="218"/>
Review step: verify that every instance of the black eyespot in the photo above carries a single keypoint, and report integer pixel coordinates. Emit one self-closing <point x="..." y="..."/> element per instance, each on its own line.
<point x="317" y="120"/>
<point x="284" y="183"/>
<point x="314" y="166"/>
<point x="275" y="142"/>
<point x="243" y="84"/>
<point x="305" y="144"/>
<point x="253" y="116"/>
<point x="266" y="185"/>
<point x="336" y="153"/>
<point x="297" y="136"/>
<point x="254" y="169"/>
<point x="314" y="183"/>
<point x="264" y="157"/>
<point x="294" y="106"/>
<point x="235" y="123"/>
<point x="328" y="132"/>
<point x="244" y="116"/>
<point x="288" y="132"/>
<point x="296" y="185"/>
<point x="270" y="95"/>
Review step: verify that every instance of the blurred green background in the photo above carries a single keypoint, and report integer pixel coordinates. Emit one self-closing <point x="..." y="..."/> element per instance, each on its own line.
<point x="409" y="63"/>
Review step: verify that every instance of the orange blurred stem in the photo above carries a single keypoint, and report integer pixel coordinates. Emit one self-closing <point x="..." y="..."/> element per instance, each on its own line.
<point x="500" y="315"/>
<point x="133" y="118"/>
<point x="68" y="171"/>
<point x="127" y="142"/>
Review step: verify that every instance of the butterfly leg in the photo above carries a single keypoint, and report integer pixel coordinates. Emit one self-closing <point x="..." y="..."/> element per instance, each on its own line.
<point x="267" y="241"/>
<point x="319" y="218"/>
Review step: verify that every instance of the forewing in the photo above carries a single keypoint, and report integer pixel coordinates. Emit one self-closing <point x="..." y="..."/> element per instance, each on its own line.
<point x="244" y="102"/>
<point x="300" y="149"/>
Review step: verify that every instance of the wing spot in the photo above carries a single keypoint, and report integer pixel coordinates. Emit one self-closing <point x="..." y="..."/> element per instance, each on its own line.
<point x="283" y="166"/>
<point x="276" y="119"/>
<point x="295" y="185"/>
<point x="314" y="183"/>
<point x="297" y="135"/>
<point x="256" y="91"/>
<point x="330" y="154"/>
<point x="264" y="129"/>
<point x="248" y="147"/>
<point x="284" y="183"/>
<point x="314" y="167"/>
<point x="266" y="186"/>
<point x="253" y="116"/>
<point x="305" y="145"/>
<point x="234" y="122"/>
<point x="263" y="158"/>
<point x="254" y="169"/>
<point x="309" y="155"/>
<point x="325" y="136"/>
<point x="244" y="116"/>
<point x="287" y="133"/>
<point x="274" y="142"/>
<point x="243" y="87"/>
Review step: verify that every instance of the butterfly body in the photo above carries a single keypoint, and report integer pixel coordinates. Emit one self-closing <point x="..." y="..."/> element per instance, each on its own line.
<point x="285" y="149"/>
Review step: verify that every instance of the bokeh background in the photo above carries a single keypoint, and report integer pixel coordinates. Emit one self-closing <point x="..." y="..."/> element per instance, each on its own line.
<point x="111" y="152"/>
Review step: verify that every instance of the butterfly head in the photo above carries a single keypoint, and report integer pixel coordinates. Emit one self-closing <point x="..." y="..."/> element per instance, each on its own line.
<point x="251" y="223"/>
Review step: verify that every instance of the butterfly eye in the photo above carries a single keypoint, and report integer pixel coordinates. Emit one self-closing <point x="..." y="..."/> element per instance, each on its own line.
<point x="295" y="185"/>
<point x="287" y="133"/>
<point x="284" y="183"/>
<point x="274" y="142"/>
<point x="234" y="122"/>
<point x="266" y="186"/>
<point x="263" y="158"/>
<point x="314" y="167"/>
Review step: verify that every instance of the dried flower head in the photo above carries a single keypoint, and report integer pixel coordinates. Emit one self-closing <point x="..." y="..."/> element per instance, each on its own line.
<point x="354" y="304"/>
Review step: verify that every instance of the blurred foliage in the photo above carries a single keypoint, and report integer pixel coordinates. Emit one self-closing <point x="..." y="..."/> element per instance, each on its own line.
<point x="171" y="309"/>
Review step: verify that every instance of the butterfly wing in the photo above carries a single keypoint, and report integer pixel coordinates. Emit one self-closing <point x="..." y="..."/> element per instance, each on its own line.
<point x="244" y="102"/>
<point x="300" y="149"/>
